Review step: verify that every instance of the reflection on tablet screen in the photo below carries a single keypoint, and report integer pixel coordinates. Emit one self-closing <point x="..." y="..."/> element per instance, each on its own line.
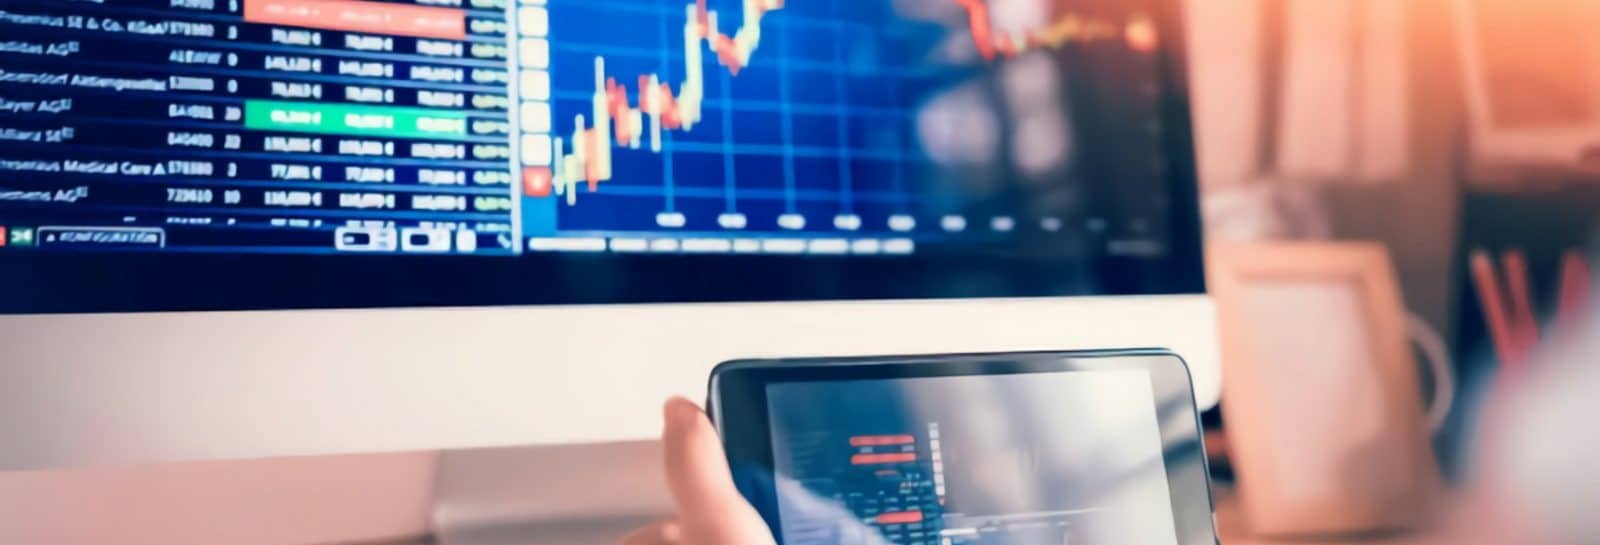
<point x="1054" y="458"/>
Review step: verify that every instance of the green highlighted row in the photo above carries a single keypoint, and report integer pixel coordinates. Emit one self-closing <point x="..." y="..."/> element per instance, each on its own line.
<point x="390" y="121"/>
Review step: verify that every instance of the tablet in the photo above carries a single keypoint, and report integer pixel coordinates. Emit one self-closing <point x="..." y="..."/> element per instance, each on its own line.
<point x="1051" y="448"/>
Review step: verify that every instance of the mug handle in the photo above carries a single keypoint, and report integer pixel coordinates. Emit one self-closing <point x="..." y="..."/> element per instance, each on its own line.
<point x="1437" y="357"/>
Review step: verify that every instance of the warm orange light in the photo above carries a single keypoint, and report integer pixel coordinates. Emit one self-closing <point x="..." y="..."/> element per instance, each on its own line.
<point x="1141" y="35"/>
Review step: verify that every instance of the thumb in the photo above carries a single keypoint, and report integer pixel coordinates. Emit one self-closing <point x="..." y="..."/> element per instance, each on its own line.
<point x="710" y="509"/>
<point x="697" y="469"/>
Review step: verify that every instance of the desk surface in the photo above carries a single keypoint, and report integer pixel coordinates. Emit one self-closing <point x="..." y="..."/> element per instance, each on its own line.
<point x="1469" y="526"/>
<point x="1464" y="523"/>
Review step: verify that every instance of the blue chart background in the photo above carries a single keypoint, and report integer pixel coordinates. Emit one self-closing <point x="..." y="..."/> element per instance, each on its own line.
<point x="849" y="74"/>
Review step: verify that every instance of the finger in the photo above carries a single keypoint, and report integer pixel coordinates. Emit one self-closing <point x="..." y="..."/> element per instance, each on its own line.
<point x="666" y="532"/>
<point x="697" y="469"/>
<point x="710" y="509"/>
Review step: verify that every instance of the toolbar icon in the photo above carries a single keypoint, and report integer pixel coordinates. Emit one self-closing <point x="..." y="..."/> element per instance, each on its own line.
<point x="20" y="236"/>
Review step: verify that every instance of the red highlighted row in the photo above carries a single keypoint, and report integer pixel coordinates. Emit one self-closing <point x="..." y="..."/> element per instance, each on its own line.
<point x="352" y="16"/>
<point x="880" y="440"/>
<point x="900" y="517"/>
<point x="890" y="458"/>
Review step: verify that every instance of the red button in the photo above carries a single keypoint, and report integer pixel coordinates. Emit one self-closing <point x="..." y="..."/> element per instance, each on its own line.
<point x="536" y="181"/>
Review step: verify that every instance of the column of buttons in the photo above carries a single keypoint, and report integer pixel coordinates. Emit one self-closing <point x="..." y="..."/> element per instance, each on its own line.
<point x="533" y="97"/>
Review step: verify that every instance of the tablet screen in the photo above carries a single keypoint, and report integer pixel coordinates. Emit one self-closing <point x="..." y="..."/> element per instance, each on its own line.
<point x="1040" y="458"/>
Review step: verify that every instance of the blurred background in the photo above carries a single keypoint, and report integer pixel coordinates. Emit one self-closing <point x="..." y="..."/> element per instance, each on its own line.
<point x="1456" y="140"/>
<point x="1459" y="137"/>
<point x="1439" y="129"/>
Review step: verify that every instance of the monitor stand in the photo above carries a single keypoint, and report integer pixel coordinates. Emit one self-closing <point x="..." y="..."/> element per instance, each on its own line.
<point x="588" y="494"/>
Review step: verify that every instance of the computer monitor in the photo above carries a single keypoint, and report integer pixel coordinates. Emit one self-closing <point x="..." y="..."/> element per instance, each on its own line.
<point x="251" y="228"/>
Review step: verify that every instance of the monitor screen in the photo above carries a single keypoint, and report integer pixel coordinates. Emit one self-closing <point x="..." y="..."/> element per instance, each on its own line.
<point x="1064" y="457"/>
<point x="222" y="154"/>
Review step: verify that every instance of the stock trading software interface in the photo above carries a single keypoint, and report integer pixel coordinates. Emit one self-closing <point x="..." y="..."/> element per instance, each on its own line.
<point x="501" y="127"/>
<point x="1037" y="459"/>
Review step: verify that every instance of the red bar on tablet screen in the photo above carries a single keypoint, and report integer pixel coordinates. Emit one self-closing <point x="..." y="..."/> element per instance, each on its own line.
<point x="374" y="17"/>
<point x="879" y="440"/>
<point x="891" y="458"/>
<point x="901" y="517"/>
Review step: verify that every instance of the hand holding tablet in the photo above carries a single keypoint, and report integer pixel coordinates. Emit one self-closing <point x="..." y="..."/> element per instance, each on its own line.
<point x="1047" y="448"/>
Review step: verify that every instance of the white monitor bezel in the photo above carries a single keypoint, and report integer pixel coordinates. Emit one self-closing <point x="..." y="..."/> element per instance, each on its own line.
<point x="96" y="389"/>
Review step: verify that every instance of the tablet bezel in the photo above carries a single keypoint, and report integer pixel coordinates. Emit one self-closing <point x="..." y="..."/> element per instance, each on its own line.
<point x="738" y="405"/>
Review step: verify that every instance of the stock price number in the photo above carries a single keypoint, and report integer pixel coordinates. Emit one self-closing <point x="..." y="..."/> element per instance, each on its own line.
<point x="197" y="195"/>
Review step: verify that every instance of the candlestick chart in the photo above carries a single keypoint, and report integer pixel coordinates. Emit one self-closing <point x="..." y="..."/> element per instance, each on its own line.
<point x="757" y="115"/>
